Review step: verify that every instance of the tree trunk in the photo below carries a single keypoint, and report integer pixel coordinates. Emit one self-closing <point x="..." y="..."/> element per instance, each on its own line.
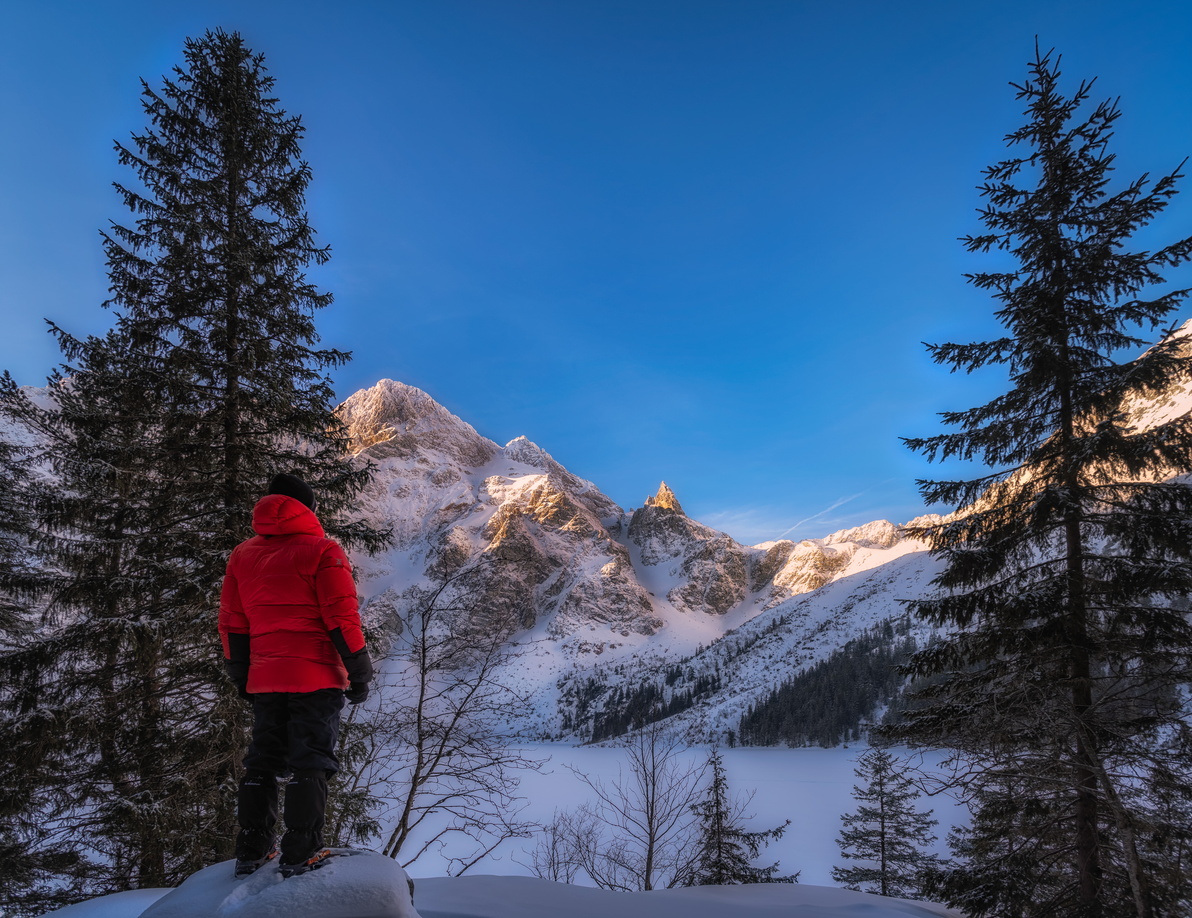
<point x="1087" y="839"/>
<point x="1088" y="862"/>
<point x="1138" y="881"/>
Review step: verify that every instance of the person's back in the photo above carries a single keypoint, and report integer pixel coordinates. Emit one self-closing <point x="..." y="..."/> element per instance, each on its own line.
<point x="294" y="647"/>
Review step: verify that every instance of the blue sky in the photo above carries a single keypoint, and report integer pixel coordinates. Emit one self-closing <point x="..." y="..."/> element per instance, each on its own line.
<point x="698" y="242"/>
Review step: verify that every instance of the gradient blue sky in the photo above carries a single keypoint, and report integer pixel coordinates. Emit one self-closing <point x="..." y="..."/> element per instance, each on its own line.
<point x="691" y="241"/>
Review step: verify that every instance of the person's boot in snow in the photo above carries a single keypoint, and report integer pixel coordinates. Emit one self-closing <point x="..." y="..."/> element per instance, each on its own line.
<point x="247" y="866"/>
<point x="306" y="800"/>
<point x="316" y="860"/>
<point x="256" y="811"/>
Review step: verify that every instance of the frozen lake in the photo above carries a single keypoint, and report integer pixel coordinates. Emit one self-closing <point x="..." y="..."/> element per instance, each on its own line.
<point x="810" y="787"/>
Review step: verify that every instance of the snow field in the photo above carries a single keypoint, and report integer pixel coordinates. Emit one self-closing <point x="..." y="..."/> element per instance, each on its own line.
<point x="523" y="897"/>
<point x="811" y="787"/>
<point x="519" y="897"/>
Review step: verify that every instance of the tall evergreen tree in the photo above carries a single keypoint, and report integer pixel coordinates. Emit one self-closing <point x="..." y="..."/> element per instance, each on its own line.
<point x="211" y="287"/>
<point x="19" y="574"/>
<point x="886" y="833"/>
<point x="727" y="848"/>
<point x="34" y="873"/>
<point x="164" y="434"/>
<point x="1064" y="559"/>
<point x="1003" y="858"/>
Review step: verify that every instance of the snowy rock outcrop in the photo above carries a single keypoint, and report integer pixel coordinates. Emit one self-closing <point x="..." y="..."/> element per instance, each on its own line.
<point x="450" y="494"/>
<point x="590" y="587"/>
<point x="791" y="568"/>
<point x="710" y="569"/>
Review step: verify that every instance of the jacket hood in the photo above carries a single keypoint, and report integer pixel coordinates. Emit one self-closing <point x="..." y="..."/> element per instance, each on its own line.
<point x="277" y="514"/>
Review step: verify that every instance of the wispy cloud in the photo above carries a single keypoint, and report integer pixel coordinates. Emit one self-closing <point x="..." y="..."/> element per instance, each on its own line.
<point x="749" y="525"/>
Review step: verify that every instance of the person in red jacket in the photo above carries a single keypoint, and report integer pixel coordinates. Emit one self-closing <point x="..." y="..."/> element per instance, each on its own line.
<point x="293" y="645"/>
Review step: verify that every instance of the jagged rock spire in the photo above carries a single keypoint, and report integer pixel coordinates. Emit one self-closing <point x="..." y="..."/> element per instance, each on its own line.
<point x="666" y="499"/>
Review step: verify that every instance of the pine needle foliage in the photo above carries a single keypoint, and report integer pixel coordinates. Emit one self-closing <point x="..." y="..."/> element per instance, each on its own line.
<point x="886" y="834"/>
<point x="727" y="848"/>
<point x="1067" y="561"/>
<point x="33" y="875"/>
<point x="164" y="433"/>
<point x="20" y="578"/>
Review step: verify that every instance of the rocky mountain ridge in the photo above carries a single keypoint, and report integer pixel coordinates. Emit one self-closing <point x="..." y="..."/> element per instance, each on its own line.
<point x="620" y="614"/>
<point x="590" y="587"/>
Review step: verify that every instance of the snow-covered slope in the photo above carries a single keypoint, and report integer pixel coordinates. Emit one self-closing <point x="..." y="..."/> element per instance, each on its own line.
<point x="601" y="600"/>
<point x="524" y="897"/>
<point x="590" y="590"/>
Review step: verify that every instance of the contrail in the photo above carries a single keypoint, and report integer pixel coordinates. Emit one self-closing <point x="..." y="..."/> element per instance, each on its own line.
<point x="839" y="503"/>
<point x="816" y="516"/>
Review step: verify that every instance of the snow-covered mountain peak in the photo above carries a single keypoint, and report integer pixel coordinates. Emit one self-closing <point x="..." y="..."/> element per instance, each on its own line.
<point x="878" y="534"/>
<point x="390" y="403"/>
<point x="666" y="499"/>
<point x="527" y="452"/>
<point x="393" y="418"/>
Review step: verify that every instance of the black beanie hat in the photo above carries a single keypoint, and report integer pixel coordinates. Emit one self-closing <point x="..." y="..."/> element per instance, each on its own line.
<point x="292" y="486"/>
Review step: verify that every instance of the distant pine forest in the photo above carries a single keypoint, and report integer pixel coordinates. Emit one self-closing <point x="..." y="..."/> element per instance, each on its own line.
<point x="830" y="703"/>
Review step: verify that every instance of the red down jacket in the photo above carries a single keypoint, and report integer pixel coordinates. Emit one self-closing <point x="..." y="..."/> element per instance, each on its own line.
<point x="287" y="588"/>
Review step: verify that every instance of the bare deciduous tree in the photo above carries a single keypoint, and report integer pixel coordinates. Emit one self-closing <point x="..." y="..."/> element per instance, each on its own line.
<point x="641" y="831"/>
<point x="435" y="762"/>
<point x="556" y="856"/>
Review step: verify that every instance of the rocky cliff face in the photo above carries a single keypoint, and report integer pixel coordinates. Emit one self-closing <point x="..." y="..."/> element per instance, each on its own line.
<point x="558" y="566"/>
<point x="710" y="568"/>
<point x="791" y="568"/>
<point x="575" y="558"/>
<point x="451" y="495"/>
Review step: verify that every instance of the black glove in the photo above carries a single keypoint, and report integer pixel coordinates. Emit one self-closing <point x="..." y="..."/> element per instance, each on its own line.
<point x="238" y="664"/>
<point x="238" y="672"/>
<point x="356" y="692"/>
<point x="358" y="664"/>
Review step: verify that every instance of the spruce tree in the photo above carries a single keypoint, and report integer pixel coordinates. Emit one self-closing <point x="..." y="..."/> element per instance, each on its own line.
<point x="163" y="436"/>
<point x="211" y="287"/>
<point x="1002" y="859"/>
<point x="35" y="871"/>
<point x="886" y="833"/>
<point x="727" y="849"/>
<point x="19" y="576"/>
<point x="1065" y="648"/>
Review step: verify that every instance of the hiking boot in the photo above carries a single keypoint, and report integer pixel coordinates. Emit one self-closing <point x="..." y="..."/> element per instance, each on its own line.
<point x="315" y="861"/>
<point x="250" y="865"/>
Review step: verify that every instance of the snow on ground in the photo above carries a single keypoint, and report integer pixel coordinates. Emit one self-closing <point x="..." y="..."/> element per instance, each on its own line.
<point x="811" y="787"/>
<point x="524" y="897"/>
<point x="352" y="884"/>
<point x="520" y="897"/>
<point x="118" y="905"/>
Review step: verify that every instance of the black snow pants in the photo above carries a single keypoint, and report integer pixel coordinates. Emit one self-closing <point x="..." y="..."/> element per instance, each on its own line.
<point x="294" y="734"/>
